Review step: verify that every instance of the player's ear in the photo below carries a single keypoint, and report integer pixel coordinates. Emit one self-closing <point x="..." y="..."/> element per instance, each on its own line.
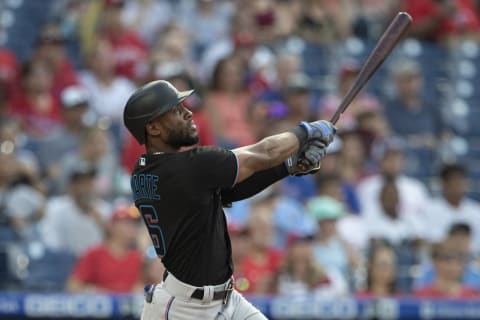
<point x="154" y="128"/>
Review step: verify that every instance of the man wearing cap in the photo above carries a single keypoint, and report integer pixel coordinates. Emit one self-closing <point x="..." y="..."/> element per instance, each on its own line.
<point x="115" y="265"/>
<point x="76" y="221"/>
<point x="180" y="195"/>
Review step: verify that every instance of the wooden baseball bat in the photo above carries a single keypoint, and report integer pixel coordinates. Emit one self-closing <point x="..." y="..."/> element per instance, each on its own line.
<point x="385" y="45"/>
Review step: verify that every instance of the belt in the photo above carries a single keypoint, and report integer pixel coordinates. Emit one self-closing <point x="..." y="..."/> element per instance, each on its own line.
<point x="199" y="293"/>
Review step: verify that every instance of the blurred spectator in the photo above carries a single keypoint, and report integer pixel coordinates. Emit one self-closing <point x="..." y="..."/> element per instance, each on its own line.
<point x="76" y="221"/>
<point x="65" y="139"/>
<point x="261" y="263"/>
<point x="108" y="92"/>
<point x="297" y="98"/>
<point x="8" y="73"/>
<point x="329" y="250"/>
<point x="206" y="21"/>
<point x="381" y="271"/>
<point x="129" y="51"/>
<point x="411" y="115"/>
<point x="326" y="21"/>
<point x="241" y="43"/>
<point x="115" y="265"/>
<point x="34" y="104"/>
<point x="353" y="157"/>
<point x="413" y="195"/>
<point x="374" y="126"/>
<point x="301" y="275"/>
<point x="331" y="185"/>
<point x="438" y="20"/>
<point x="388" y="221"/>
<point x="147" y="17"/>
<point x="21" y="200"/>
<point x="227" y="104"/>
<point x="453" y="206"/>
<point x="95" y="150"/>
<point x="460" y="235"/>
<point x="172" y="46"/>
<point x="372" y="18"/>
<point x="51" y="49"/>
<point x="449" y="266"/>
<point x="286" y="64"/>
<point x="362" y="103"/>
<point x="13" y="140"/>
<point x="351" y="227"/>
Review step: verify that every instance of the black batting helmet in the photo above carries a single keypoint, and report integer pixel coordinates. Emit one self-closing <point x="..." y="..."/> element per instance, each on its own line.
<point x="149" y="102"/>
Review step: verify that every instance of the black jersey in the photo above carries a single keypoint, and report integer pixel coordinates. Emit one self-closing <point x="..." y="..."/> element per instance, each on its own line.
<point x="178" y="195"/>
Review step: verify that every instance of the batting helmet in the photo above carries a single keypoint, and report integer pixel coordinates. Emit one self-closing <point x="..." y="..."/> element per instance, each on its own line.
<point x="149" y="102"/>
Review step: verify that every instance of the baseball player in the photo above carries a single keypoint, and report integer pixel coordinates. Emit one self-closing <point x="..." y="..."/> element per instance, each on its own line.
<point x="180" y="195"/>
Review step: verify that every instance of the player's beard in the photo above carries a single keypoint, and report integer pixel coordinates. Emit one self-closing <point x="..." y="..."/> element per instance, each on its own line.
<point x="182" y="138"/>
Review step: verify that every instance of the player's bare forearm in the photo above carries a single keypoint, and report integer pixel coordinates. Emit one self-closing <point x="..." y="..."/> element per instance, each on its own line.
<point x="265" y="154"/>
<point x="278" y="148"/>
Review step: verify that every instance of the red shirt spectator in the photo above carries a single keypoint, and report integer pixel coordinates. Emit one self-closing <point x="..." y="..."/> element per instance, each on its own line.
<point x="8" y="71"/>
<point x="107" y="271"/>
<point x="433" y="20"/>
<point x="34" y="103"/>
<point x="130" y="51"/>
<point x="261" y="272"/>
<point x="112" y="266"/>
<point x="50" y="48"/>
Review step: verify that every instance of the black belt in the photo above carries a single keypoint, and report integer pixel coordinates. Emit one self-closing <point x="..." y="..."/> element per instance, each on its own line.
<point x="217" y="295"/>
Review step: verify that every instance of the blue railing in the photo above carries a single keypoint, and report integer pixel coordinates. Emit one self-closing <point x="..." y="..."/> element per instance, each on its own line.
<point x="99" y="306"/>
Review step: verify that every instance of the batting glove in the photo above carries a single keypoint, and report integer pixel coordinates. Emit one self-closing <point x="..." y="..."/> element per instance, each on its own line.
<point x="321" y="130"/>
<point x="307" y="160"/>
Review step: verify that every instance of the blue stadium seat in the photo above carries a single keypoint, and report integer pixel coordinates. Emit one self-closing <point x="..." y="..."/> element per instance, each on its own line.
<point x="49" y="272"/>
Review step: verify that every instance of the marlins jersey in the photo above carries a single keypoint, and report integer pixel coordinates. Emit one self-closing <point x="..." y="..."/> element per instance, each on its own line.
<point x="178" y="195"/>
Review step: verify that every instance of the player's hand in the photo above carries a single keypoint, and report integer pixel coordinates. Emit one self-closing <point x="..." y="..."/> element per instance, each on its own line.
<point x="307" y="160"/>
<point x="320" y="130"/>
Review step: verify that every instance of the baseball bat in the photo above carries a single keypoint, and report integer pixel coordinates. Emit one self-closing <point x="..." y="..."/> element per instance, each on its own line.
<point x="384" y="47"/>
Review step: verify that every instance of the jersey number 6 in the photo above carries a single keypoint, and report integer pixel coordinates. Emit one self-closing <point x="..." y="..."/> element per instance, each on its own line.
<point x="150" y="216"/>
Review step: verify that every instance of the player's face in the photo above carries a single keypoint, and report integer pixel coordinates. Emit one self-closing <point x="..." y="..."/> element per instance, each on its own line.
<point x="182" y="131"/>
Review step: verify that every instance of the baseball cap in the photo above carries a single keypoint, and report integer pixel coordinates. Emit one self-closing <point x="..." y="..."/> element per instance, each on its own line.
<point x="325" y="208"/>
<point x="74" y="96"/>
<point x="125" y="212"/>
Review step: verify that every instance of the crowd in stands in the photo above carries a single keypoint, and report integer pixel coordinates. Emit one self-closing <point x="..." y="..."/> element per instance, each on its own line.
<point x="391" y="212"/>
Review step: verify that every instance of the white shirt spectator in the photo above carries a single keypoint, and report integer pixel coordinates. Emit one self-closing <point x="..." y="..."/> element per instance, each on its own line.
<point x="413" y="194"/>
<point x="66" y="227"/>
<point x="353" y="230"/>
<point x="380" y="225"/>
<point x="107" y="100"/>
<point x="442" y="215"/>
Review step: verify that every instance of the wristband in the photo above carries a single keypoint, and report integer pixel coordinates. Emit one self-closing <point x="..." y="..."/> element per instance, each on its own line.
<point x="301" y="133"/>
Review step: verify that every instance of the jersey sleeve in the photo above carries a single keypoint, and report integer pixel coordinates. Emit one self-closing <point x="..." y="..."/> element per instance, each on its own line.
<point x="213" y="167"/>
